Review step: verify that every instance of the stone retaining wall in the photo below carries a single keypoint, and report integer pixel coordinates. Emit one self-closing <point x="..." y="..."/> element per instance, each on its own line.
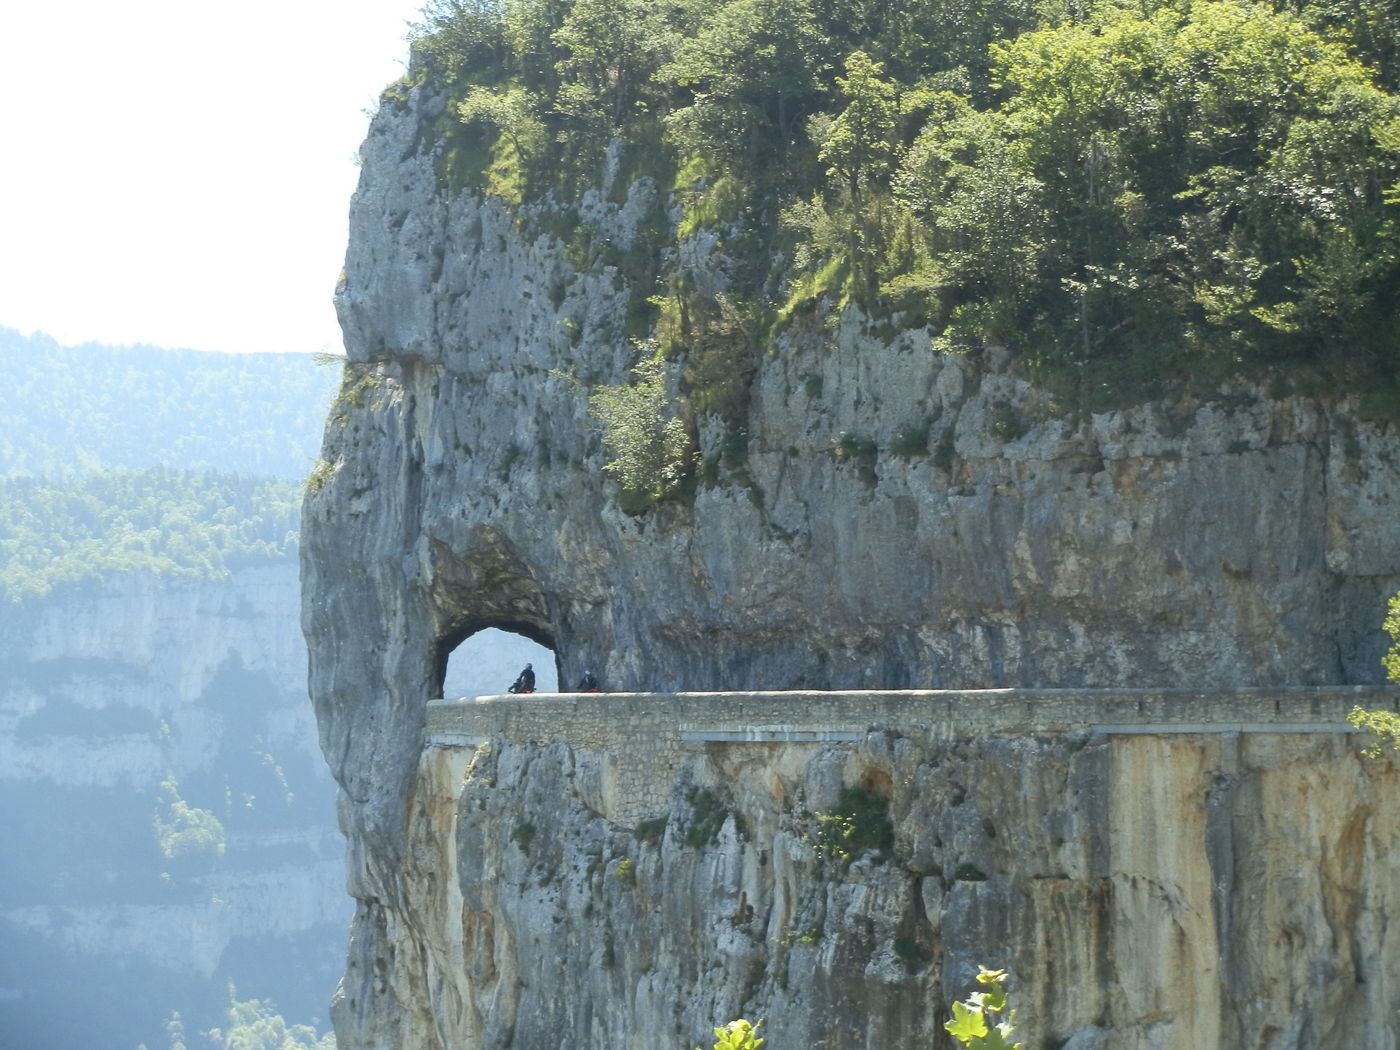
<point x="646" y="737"/>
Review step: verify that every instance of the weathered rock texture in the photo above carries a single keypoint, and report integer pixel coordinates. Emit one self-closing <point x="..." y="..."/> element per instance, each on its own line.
<point x="884" y="517"/>
<point x="621" y="871"/>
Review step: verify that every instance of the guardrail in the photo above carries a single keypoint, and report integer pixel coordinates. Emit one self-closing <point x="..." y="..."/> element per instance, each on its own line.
<point x="844" y="716"/>
<point x="643" y="740"/>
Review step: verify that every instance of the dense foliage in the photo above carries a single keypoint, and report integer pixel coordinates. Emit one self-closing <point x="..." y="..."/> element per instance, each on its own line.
<point x="975" y="1023"/>
<point x="62" y="531"/>
<point x="738" y="1035"/>
<point x="185" y="830"/>
<point x="86" y="408"/>
<point x="1384" y="726"/>
<point x="1122" y="193"/>
<point x="649" y="443"/>
<point x="252" y="1024"/>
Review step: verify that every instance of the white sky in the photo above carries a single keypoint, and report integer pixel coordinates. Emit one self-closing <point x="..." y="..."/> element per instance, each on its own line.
<point x="177" y="172"/>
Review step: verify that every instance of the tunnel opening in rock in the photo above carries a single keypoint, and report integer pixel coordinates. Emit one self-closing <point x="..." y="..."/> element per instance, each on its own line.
<point x="485" y="661"/>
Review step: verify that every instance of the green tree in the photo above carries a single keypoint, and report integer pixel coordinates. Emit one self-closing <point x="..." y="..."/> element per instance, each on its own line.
<point x="512" y="111"/>
<point x="923" y="37"/>
<point x="611" y="51"/>
<point x="1370" y="27"/>
<point x="751" y="65"/>
<point x="1388" y="139"/>
<point x="858" y="150"/>
<point x="968" y="181"/>
<point x="184" y="830"/>
<point x="529" y="28"/>
<point x="857" y="143"/>
<point x="1214" y="162"/>
<point x="649" y="443"/>
<point x="738" y="1035"/>
<point x="462" y="40"/>
<point x="1071" y="89"/>
<point x="254" y="1024"/>
<point x="175" y="1028"/>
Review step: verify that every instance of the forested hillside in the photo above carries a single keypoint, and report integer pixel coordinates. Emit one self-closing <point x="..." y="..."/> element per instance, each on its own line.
<point x="1126" y="195"/>
<point x="85" y="408"/>
<point x="126" y="459"/>
<point x="159" y="521"/>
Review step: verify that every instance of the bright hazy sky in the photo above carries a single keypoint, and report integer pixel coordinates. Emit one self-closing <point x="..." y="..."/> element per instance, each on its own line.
<point x="177" y="172"/>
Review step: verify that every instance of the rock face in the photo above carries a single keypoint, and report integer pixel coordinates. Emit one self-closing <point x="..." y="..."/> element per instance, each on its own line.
<point x="110" y="688"/>
<point x="884" y="517"/>
<point x="629" y="870"/>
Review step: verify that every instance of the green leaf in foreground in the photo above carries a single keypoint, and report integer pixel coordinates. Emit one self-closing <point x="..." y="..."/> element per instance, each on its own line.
<point x="973" y="1023"/>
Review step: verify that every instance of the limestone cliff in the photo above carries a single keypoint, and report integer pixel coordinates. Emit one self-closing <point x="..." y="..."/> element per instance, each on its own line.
<point x="884" y="517"/>
<point x="109" y="688"/>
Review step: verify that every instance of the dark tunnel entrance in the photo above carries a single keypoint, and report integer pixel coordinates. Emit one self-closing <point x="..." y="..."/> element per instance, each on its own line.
<point x="486" y="661"/>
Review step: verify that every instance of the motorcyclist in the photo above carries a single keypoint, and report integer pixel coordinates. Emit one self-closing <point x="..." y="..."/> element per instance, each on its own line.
<point x="525" y="683"/>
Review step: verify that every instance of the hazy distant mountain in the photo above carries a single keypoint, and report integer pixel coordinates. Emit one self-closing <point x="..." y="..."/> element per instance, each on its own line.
<point x="91" y="407"/>
<point x="168" y="820"/>
<point x="169" y="823"/>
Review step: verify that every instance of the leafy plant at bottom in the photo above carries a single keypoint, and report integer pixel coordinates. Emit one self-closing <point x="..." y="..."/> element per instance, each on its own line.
<point x="974" y="1022"/>
<point x="738" y="1035"/>
<point x="834" y="832"/>
<point x="626" y="872"/>
<point x="861" y="823"/>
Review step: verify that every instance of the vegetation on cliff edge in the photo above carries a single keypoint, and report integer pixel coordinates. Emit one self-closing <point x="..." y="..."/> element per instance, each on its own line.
<point x="1126" y="195"/>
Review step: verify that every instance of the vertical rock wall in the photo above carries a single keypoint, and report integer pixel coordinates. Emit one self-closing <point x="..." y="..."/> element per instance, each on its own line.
<point x="885" y="516"/>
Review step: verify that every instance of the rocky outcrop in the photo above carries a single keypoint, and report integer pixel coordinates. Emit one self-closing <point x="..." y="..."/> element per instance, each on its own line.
<point x="883" y="516"/>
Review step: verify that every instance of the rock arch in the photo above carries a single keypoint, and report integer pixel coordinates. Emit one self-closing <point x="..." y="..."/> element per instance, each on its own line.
<point x="493" y="654"/>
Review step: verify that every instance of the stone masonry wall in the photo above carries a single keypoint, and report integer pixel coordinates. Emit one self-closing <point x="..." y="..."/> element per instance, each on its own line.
<point x="647" y="737"/>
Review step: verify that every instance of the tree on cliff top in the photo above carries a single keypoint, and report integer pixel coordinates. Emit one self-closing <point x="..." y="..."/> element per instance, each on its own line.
<point x="1126" y="195"/>
<point x="254" y="1024"/>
